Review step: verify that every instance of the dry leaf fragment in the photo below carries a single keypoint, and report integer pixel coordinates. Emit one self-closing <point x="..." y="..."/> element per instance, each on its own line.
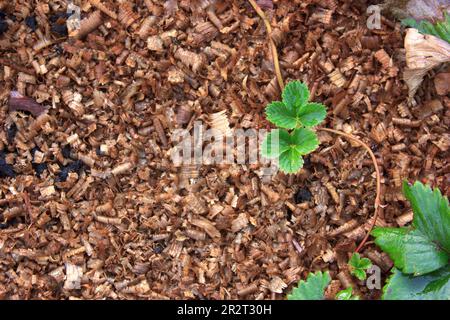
<point x="423" y="53"/>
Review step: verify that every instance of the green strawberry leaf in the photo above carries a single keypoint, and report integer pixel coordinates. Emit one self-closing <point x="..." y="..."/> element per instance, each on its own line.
<point x="411" y="251"/>
<point x="346" y="294"/>
<point x="360" y="274"/>
<point x="358" y="266"/>
<point x="305" y="140"/>
<point x="281" y="116"/>
<point x="427" y="247"/>
<point x="295" y="94"/>
<point x="276" y="142"/>
<point x="312" y="114"/>
<point x="433" y="286"/>
<point x="365" y="263"/>
<point x="431" y="213"/>
<point x="291" y="160"/>
<point x="311" y="289"/>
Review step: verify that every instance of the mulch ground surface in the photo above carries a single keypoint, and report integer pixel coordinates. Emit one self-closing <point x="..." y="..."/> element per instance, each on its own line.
<point x="91" y="204"/>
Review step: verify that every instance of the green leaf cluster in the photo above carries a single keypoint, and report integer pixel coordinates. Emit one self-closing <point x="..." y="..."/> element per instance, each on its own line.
<point x="358" y="266"/>
<point x="440" y="29"/>
<point x="421" y="252"/>
<point x="297" y="114"/>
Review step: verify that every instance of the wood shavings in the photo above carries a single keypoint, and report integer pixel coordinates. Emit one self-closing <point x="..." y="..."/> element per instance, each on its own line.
<point x="105" y="196"/>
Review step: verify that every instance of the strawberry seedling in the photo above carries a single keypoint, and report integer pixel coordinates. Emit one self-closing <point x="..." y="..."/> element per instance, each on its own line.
<point x="358" y="266"/>
<point x="294" y="116"/>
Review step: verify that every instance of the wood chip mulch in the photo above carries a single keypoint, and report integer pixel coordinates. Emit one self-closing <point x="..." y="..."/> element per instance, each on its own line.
<point x="91" y="205"/>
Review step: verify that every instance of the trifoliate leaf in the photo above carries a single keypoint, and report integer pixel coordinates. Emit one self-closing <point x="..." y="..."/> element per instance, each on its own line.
<point x="312" y="114"/>
<point x="311" y="289"/>
<point x="276" y="142"/>
<point x="358" y="266"/>
<point x="305" y="140"/>
<point x="346" y="295"/>
<point x="281" y="116"/>
<point x="411" y="251"/>
<point x="291" y="160"/>
<point x="431" y="213"/>
<point x="295" y="94"/>
<point x="433" y="286"/>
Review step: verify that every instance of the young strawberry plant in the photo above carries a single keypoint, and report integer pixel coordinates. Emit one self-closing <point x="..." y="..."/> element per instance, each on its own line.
<point x="294" y="116"/>
<point x="358" y="266"/>
<point x="421" y="252"/>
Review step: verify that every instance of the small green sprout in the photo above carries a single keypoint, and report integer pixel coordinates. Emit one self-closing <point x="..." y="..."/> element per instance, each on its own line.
<point x="359" y="266"/>
<point x="297" y="114"/>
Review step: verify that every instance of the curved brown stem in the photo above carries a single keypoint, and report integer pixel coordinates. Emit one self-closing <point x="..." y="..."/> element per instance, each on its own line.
<point x="378" y="178"/>
<point x="273" y="47"/>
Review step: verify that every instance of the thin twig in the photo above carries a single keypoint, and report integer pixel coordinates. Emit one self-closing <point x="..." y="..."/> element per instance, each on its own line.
<point x="348" y="136"/>
<point x="273" y="47"/>
<point x="378" y="178"/>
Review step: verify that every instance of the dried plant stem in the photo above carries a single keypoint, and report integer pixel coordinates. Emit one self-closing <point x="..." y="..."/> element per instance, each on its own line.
<point x="272" y="44"/>
<point x="378" y="178"/>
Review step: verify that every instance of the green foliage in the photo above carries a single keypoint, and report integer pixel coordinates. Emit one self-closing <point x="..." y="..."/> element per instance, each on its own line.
<point x="411" y="251"/>
<point x="440" y="29"/>
<point x="433" y="286"/>
<point x="297" y="114"/>
<point x="421" y="252"/>
<point x="311" y="289"/>
<point x="359" y="266"/>
<point x="346" y="294"/>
